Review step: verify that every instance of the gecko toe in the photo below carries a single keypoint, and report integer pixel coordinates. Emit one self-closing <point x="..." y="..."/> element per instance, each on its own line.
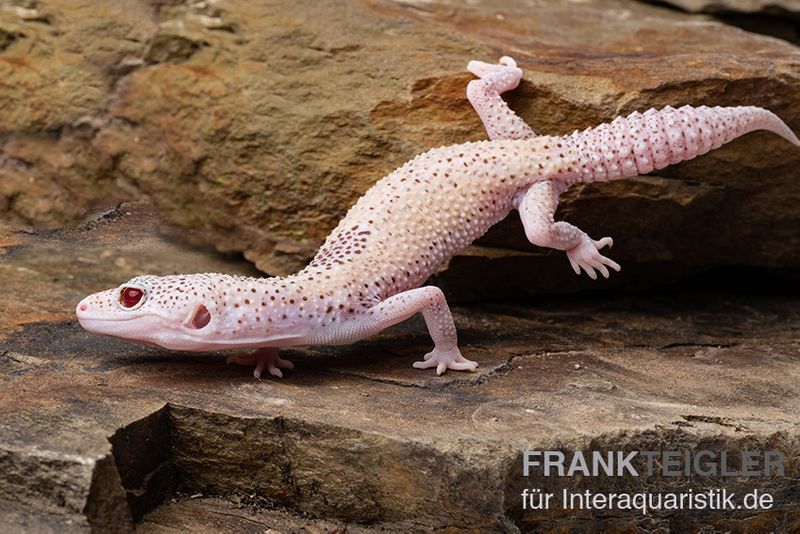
<point x="508" y="61"/>
<point x="257" y="372"/>
<point x="575" y="266"/>
<point x="266" y="358"/>
<point x="604" y="242"/>
<point x="281" y="363"/>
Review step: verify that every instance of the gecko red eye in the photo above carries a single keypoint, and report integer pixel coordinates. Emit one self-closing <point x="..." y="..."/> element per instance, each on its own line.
<point x="130" y="296"/>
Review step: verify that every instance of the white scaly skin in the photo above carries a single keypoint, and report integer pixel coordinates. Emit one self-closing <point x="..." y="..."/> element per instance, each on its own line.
<point x="367" y="275"/>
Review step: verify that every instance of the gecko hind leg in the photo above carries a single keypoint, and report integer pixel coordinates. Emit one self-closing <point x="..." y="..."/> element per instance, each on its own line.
<point x="264" y="358"/>
<point x="484" y="95"/>
<point x="537" y="206"/>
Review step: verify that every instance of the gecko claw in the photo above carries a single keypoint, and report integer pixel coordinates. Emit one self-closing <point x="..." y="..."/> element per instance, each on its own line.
<point x="444" y="360"/>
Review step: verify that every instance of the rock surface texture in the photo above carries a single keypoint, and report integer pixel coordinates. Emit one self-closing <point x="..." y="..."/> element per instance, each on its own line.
<point x="253" y="127"/>
<point x="96" y="432"/>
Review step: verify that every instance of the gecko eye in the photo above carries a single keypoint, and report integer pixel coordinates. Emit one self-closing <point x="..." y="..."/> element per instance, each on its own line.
<point x="131" y="297"/>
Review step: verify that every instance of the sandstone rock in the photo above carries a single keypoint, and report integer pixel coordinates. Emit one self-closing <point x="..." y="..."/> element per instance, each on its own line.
<point x="96" y="432"/>
<point x="776" y="7"/>
<point x="209" y="514"/>
<point x="776" y="18"/>
<point x="254" y="127"/>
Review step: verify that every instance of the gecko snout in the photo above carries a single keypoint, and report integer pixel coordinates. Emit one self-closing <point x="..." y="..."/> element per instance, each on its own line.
<point x="94" y="305"/>
<point x="83" y="308"/>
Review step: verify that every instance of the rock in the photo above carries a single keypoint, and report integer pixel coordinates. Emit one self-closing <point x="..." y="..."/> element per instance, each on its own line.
<point x="99" y="433"/>
<point x="770" y="7"/>
<point x="776" y="18"/>
<point x="195" y="514"/>
<point x="175" y="48"/>
<point x="253" y="128"/>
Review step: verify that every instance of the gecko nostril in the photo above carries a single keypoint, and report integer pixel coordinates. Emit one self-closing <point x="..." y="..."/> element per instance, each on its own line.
<point x="82" y="307"/>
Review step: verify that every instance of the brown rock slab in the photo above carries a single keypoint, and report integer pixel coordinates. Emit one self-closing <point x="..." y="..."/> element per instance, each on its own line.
<point x="254" y="127"/>
<point x="196" y="513"/>
<point x="98" y="433"/>
<point x="771" y="7"/>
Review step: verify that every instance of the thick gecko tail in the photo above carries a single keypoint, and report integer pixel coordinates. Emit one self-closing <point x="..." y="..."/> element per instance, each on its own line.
<point x="641" y="142"/>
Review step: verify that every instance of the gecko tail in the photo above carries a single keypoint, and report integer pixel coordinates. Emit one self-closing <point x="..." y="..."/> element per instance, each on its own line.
<point x="767" y="120"/>
<point x="642" y="142"/>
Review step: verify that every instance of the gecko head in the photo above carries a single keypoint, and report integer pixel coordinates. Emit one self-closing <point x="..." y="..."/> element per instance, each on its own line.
<point x="174" y="312"/>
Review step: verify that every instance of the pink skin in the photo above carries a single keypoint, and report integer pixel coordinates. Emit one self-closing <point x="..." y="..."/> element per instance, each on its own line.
<point x="367" y="275"/>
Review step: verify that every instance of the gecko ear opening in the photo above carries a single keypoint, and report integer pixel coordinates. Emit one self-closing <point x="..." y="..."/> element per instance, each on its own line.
<point x="200" y="318"/>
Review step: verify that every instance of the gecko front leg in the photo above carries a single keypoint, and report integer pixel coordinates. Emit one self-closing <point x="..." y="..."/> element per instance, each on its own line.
<point x="537" y="207"/>
<point x="430" y="301"/>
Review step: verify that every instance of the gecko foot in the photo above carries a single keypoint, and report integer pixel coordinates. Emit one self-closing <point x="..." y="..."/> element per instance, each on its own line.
<point x="504" y="76"/>
<point x="586" y="256"/>
<point x="481" y="68"/>
<point x="444" y="360"/>
<point x="266" y="358"/>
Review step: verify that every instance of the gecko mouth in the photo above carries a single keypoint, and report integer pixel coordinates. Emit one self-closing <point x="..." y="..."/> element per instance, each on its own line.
<point x="115" y="324"/>
<point x="82" y="318"/>
<point x="105" y="325"/>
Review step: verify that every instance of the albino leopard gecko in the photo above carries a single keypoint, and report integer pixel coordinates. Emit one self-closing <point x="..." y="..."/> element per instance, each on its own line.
<point x="368" y="273"/>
